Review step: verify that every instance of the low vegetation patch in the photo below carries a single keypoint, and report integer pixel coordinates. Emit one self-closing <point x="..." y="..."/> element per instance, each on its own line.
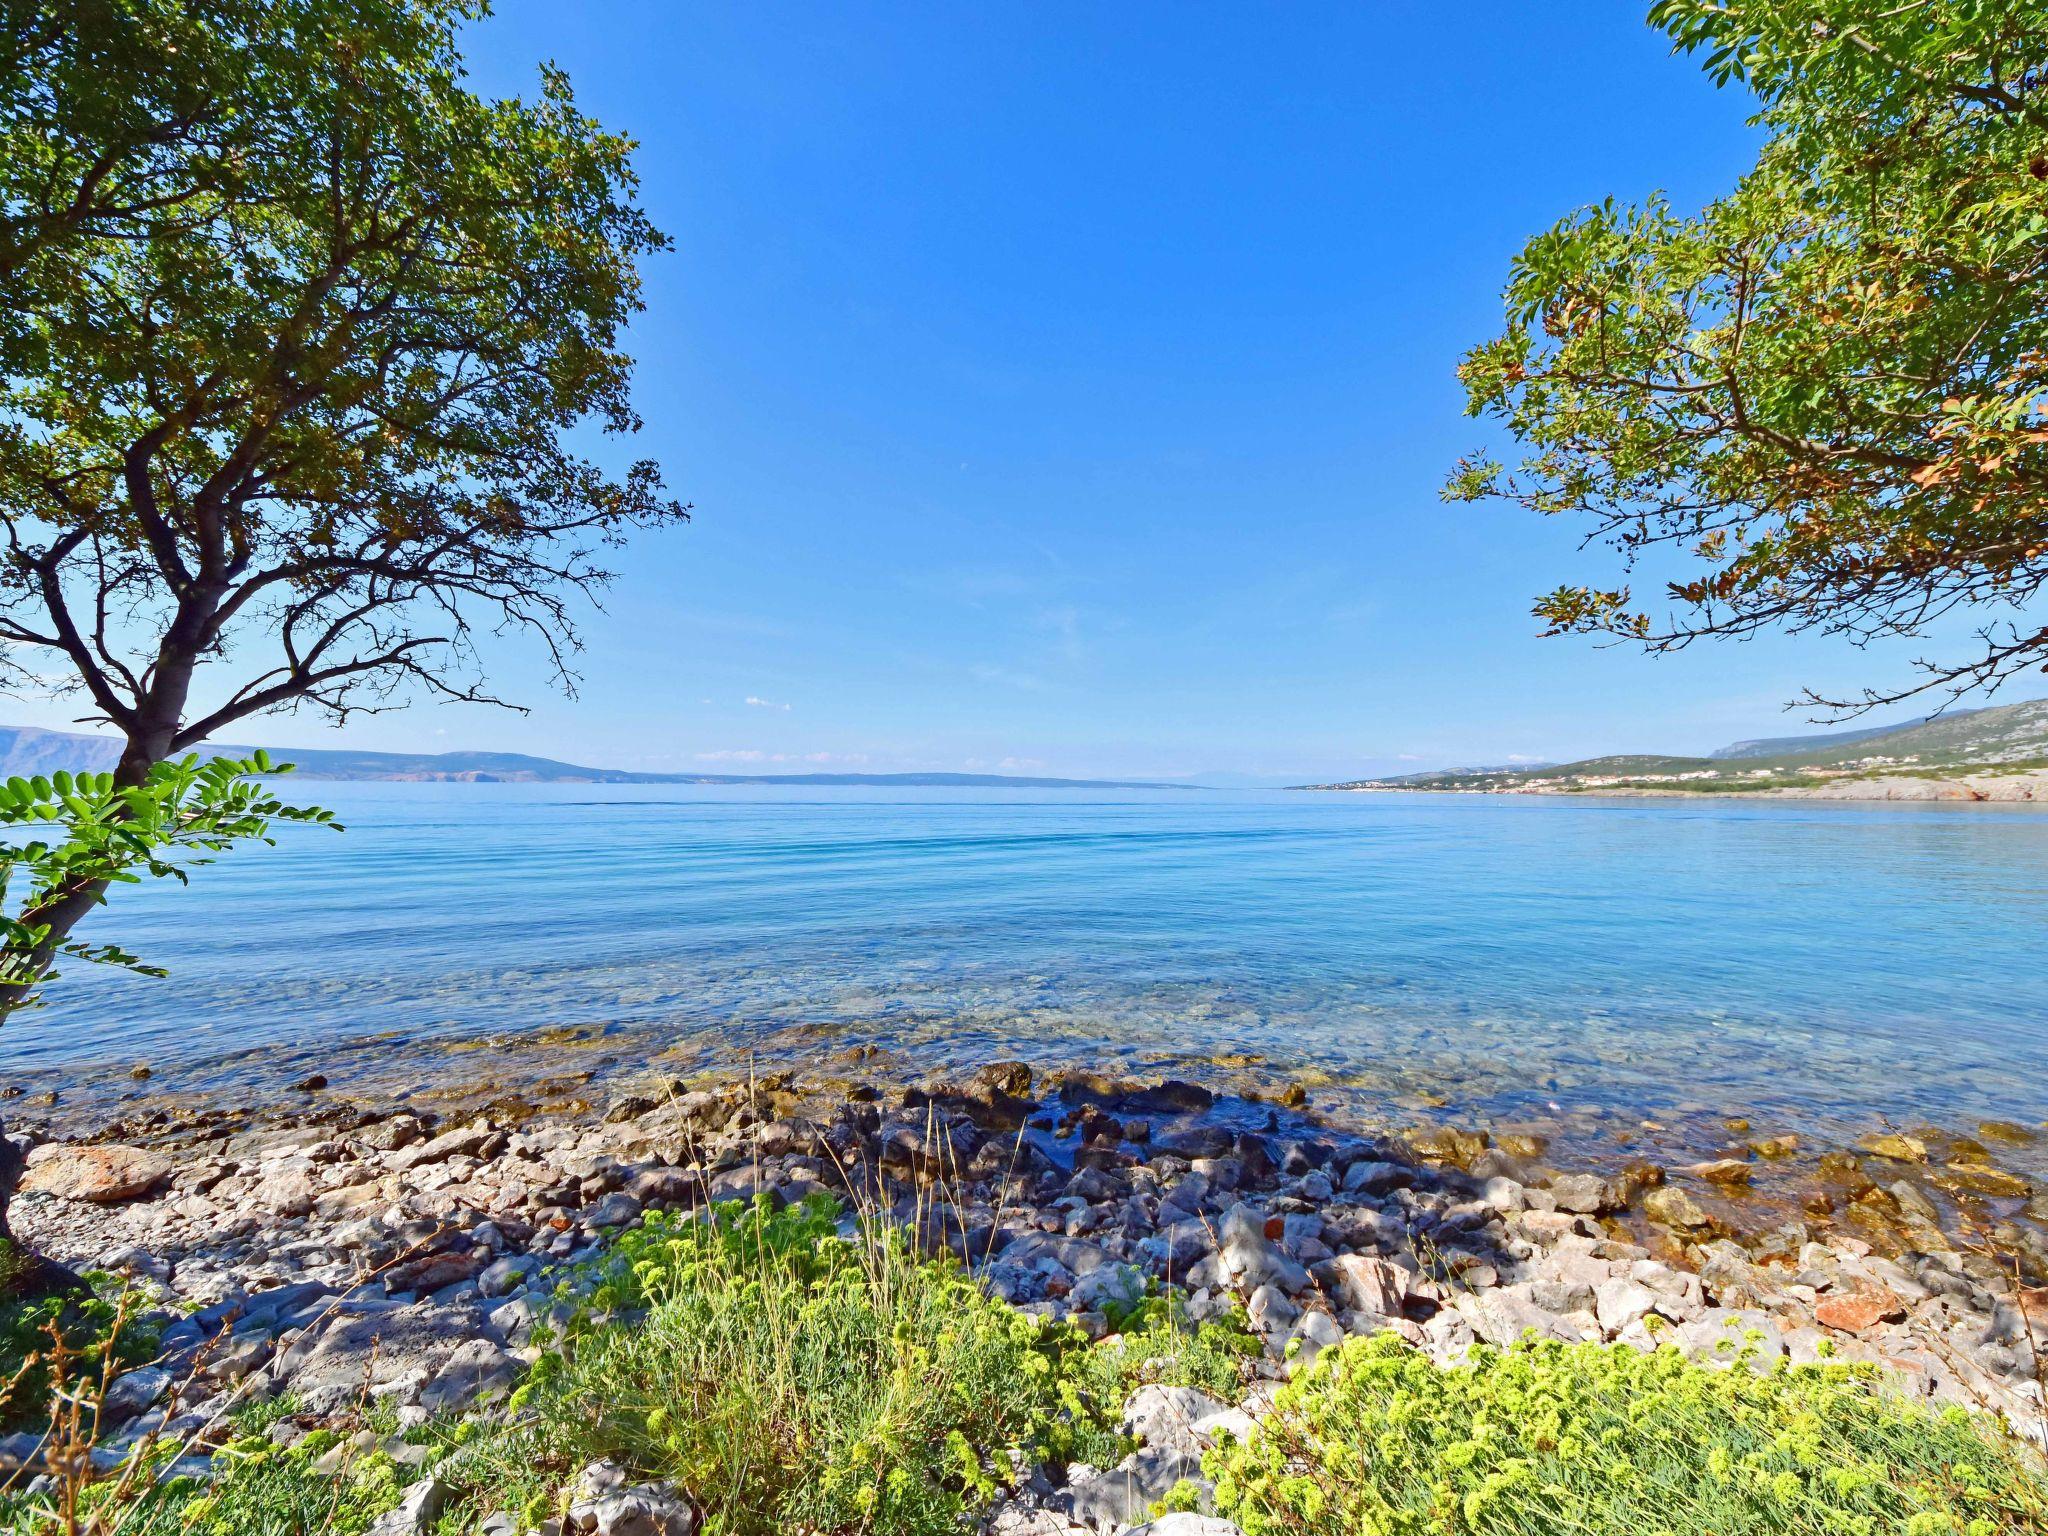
<point x="43" y="1338"/>
<point x="787" y="1378"/>
<point x="1601" y="1440"/>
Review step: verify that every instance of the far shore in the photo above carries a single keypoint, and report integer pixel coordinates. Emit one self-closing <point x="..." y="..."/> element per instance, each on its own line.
<point x="1973" y="789"/>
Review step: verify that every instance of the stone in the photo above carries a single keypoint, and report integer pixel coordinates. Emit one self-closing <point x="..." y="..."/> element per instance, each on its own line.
<point x="1168" y="1418"/>
<point x="1110" y="1285"/>
<point x="101" y="1175"/>
<point x="1125" y="1494"/>
<point x="133" y="1392"/>
<point x="288" y="1191"/>
<point x="1250" y="1258"/>
<point x="475" y="1369"/>
<point x="434" y="1270"/>
<point x="1359" y="1283"/>
<point x="1618" y="1302"/>
<point x="1013" y="1519"/>
<point x="647" y="1509"/>
<point x="1370" y="1177"/>
<point x="1728" y="1171"/>
<point x="416" y="1511"/>
<point x="616" y="1209"/>
<point x="1902" y="1149"/>
<point x="655" y="1185"/>
<point x="1448" y="1144"/>
<point x="373" y="1346"/>
<point x="1270" y="1311"/>
<point x="1170" y="1097"/>
<point x="1187" y="1523"/>
<point x="1314" y="1332"/>
<point x="1858" y="1311"/>
<point x="1201" y="1140"/>
<point x="465" y="1141"/>
<point x="1504" y="1194"/>
<point x="1582" y="1194"/>
<point x="1501" y="1317"/>
<point x="1983" y="1179"/>
<point x="2011" y="1132"/>
<point x="1673" y="1207"/>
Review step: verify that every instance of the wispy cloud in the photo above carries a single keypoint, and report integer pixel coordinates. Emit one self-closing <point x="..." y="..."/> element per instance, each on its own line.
<point x="759" y="703"/>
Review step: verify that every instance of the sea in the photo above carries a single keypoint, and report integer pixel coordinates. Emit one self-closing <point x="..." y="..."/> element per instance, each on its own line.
<point x="1800" y="965"/>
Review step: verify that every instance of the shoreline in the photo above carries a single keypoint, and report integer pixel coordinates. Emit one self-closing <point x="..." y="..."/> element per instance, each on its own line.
<point x="319" y="1247"/>
<point x="1592" y="1121"/>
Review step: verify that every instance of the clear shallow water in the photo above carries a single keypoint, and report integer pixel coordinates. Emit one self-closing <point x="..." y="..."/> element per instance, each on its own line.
<point x="1824" y="963"/>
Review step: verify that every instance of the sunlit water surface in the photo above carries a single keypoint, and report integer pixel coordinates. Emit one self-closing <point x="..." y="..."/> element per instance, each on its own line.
<point x="1823" y="963"/>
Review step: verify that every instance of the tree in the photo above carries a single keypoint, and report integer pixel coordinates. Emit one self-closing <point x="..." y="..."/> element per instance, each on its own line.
<point x="69" y="835"/>
<point x="1821" y="403"/>
<point x="298" y="336"/>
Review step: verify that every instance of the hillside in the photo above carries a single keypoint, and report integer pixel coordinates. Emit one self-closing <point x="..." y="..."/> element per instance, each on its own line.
<point x="1980" y="754"/>
<point x="28" y="750"/>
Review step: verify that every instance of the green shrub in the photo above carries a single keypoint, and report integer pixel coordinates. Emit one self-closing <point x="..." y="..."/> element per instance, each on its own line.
<point x="90" y="1327"/>
<point x="1598" y="1440"/>
<point x="1156" y="1341"/>
<point x="790" y="1379"/>
<point x="258" y="1489"/>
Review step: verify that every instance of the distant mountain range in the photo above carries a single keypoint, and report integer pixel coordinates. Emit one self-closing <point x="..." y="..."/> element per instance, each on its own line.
<point x="28" y="750"/>
<point x="1910" y="760"/>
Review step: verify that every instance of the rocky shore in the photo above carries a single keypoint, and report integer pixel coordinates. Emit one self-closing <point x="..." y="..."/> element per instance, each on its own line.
<point x="327" y="1249"/>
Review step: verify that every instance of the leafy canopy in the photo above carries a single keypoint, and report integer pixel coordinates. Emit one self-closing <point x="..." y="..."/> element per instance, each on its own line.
<point x="297" y="334"/>
<point x="1822" y="401"/>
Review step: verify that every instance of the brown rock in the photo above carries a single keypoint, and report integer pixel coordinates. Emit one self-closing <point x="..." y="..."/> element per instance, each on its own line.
<point x="2010" y="1132"/>
<point x="102" y="1175"/>
<point x="1983" y="1179"/>
<point x="1899" y="1148"/>
<point x="1675" y="1208"/>
<point x="1448" y="1144"/>
<point x="1725" y="1170"/>
<point x="435" y="1270"/>
<point x="1859" y="1311"/>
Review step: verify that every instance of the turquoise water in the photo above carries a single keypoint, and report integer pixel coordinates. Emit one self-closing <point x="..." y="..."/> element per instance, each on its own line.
<point x="1827" y="962"/>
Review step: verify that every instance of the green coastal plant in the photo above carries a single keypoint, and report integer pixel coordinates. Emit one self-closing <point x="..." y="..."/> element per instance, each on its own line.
<point x="65" y="840"/>
<point x="68" y="835"/>
<point x="1550" y="1439"/>
<point x="45" y="1336"/>
<point x="256" y="1488"/>
<point x="789" y="1378"/>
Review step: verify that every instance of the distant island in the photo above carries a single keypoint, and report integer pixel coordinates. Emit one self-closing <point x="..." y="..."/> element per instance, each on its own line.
<point x="27" y="750"/>
<point x="1976" y="754"/>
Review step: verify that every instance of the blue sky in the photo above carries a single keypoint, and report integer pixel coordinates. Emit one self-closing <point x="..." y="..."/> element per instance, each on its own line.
<point x="1066" y="388"/>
